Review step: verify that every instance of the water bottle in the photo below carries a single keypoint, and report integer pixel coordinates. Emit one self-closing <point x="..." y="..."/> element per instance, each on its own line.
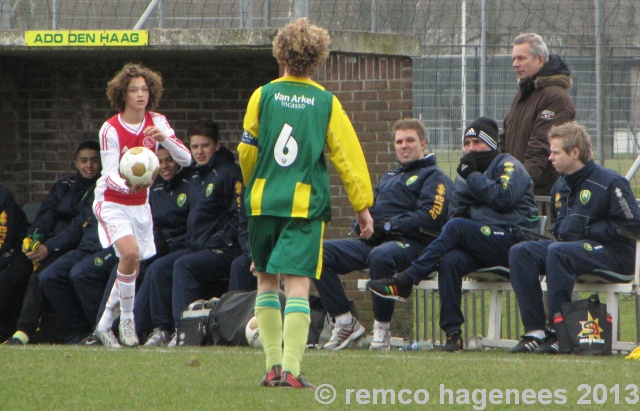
<point x="424" y="345"/>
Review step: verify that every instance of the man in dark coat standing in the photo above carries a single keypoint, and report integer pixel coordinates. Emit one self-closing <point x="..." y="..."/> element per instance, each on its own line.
<point x="542" y="101"/>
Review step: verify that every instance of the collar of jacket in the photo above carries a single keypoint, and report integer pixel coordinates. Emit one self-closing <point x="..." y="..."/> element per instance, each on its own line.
<point x="176" y="179"/>
<point x="222" y="155"/>
<point x="554" y="73"/>
<point x="575" y="179"/>
<point x="428" y="160"/>
<point x="86" y="182"/>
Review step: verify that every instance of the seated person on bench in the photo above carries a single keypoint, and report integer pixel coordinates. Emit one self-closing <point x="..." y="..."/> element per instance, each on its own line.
<point x="493" y="202"/>
<point x="590" y="203"/>
<point x="412" y="197"/>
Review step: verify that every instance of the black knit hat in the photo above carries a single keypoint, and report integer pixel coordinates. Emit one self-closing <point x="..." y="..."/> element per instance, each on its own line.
<point x="486" y="129"/>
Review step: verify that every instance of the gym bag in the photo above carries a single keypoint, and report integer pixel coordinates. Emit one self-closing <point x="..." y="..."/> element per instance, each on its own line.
<point x="228" y="320"/>
<point x="584" y="327"/>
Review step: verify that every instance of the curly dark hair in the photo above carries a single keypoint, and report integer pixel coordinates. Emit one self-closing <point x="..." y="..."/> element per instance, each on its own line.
<point x="117" y="86"/>
<point x="300" y="47"/>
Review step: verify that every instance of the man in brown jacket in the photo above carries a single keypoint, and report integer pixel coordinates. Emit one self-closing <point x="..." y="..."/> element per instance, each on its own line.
<point x="542" y="101"/>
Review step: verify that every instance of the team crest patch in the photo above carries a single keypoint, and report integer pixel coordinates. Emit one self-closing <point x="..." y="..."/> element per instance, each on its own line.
<point x="411" y="180"/>
<point x="209" y="189"/>
<point x="547" y="115"/>
<point x="585" y="196"/>
<point x="7" y="254"/>
<point x="98" y="262"/>
<point x="182" y="198"/>
<point x="149" y="143"/>
<point x="587" y="246"/>
<point x="485" y="230"/>
<point x="112" y="230"/>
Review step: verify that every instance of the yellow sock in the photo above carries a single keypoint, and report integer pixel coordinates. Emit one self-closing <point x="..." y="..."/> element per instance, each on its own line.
<point x="295" y="332"/>
<point x="269" y="315"/>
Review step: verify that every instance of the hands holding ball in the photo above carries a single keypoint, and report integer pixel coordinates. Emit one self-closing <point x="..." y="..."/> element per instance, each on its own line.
<point x="139" y="167"/>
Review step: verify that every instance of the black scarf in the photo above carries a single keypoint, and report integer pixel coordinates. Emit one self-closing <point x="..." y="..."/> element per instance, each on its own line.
<point x="483" y="159"/>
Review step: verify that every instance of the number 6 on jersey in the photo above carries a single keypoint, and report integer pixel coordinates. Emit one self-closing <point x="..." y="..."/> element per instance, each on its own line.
<point x="286" y="149"/>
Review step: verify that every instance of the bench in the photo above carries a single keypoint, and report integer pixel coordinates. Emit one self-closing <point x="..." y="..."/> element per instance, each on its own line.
<point x="495" y="280"/>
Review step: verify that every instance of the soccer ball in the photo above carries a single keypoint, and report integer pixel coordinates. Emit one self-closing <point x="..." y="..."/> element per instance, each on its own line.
<point x="252" y="332"/>
<point x="139" y="165"/>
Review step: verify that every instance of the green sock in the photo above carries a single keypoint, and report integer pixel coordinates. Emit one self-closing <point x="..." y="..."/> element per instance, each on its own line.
<point x="295" y="332"/>
<point x="267" y="310"/>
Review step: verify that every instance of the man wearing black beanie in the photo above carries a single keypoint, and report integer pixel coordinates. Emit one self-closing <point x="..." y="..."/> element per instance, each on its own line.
<point x="486" y="130"/>
<point x="493" y="201"/>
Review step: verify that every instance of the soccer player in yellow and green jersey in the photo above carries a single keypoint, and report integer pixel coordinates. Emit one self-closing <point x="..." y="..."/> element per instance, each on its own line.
<point x="287" y="125"/>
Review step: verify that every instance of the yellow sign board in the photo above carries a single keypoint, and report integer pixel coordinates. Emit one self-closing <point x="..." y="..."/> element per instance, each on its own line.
<point x="86" y="38"/>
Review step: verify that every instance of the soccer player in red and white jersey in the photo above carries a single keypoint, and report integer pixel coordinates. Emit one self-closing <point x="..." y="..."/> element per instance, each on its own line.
<point x="122" y="209"/>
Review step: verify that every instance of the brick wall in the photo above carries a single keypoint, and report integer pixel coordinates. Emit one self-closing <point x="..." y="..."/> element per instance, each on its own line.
<point x="48" y="106"/>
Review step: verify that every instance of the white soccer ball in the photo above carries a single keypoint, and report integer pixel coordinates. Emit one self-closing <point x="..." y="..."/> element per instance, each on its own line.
<point x="252" y="332"/>
<point x="139" y="165"/>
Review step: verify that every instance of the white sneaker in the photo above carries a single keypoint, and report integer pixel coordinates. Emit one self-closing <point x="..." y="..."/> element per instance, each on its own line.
<point x="342" y="335"/>
<point x="174" y="341"/>
<point x="128" y="336"/>
<point x="107" y="338"/>
<point x="158" y="338"/>
<point x="381" y="339"/>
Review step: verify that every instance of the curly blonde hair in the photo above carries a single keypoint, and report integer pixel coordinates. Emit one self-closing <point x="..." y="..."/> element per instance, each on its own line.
<point x="117" y="86"/>
<point x="300" y="47"/>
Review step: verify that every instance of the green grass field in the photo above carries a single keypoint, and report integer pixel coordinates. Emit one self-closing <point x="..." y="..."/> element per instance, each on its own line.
<point x="42" y="377"/>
